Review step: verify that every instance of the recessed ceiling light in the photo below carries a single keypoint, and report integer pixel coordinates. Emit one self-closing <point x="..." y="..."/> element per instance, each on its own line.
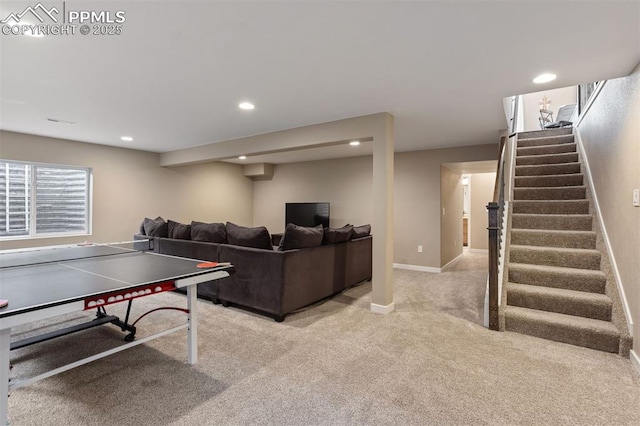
<point x="544" y="78"/>
<point x="246" y="105"/>
<point x="242" y="157"/>
<point x="127" y="138"/>
<point x="354" y="143"/>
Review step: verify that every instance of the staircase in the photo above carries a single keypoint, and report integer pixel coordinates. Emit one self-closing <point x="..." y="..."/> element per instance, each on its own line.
<point x="556" y="286"/>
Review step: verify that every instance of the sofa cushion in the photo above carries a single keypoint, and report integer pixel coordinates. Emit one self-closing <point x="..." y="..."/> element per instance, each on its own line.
<point x="361" y="231"/>
<point x="178" y="231"/>
<point x="155" y="227"/>
<point x="257" y="237"/>
<point x="337" y="235"/>
<point x="297" y="237"/>
<point x="208" y="232"/>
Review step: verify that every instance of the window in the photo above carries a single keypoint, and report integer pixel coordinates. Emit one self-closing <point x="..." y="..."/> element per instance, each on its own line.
<point x="43" y="199"/>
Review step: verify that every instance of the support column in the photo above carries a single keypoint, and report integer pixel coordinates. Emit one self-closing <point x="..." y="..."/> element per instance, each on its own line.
<point x="383" y="144"/>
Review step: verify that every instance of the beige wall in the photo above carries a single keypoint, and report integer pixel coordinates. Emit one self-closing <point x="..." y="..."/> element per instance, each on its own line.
<point x="610" y="133"/>
<point x="558" y="97"/>
<point x="345" y="183"/>
<point x="417" y="200"/>
<point x="348" y="185"/>
<point x="451" y="196"/>
<point x="481" y="188"/>
<point x="129" y="185"/>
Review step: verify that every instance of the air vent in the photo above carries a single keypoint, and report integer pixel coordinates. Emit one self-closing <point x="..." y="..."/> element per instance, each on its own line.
<point x="57" y="120"/>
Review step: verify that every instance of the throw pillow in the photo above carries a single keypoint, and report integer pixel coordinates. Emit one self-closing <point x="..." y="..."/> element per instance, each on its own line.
<point x="179" y="231"/>
<point x="208" y="232"/>
<point x="361" y="231"/>
<point x="155" y="227"/>
<point x="297" y="237"/>
<point x="257" y="237"/>
<point x="337" y="235"/>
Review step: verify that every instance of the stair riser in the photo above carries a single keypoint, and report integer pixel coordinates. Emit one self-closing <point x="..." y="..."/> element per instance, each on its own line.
<point x="546" y="278"/>
<point x="548" y="149"/>
<point x="551" y="207"/>
<point x="548" y="181"/>
<point x="560" y="223"/>
<point x="544" y="133"/>
<point x="558" y="333"/>
<point x="542" y="141"/>
<point x="547" y="159"/>
<point x="548" y="169"/>
<point x="569" y="193"/>
<point x="567" y="306"/>
<point x="550" y="239"/>
<point x="551" y="258"/>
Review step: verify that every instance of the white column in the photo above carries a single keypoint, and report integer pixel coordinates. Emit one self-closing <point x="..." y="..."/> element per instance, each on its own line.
<point x="382" y="230"/>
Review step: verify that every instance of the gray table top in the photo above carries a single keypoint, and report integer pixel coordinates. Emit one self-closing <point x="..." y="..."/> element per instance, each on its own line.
<point x="34" y="280"/>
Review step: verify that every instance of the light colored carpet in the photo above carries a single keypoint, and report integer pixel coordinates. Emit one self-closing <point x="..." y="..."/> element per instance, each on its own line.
<point x="428" y="362"/>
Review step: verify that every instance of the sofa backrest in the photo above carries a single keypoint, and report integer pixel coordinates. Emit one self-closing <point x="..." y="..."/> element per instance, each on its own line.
<point x="187" y="248"/>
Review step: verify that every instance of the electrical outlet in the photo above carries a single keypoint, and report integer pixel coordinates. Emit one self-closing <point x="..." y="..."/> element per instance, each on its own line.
<point x="443" y="211"/>
<point x="419" y="249"/>
<point x="636" y="197"/>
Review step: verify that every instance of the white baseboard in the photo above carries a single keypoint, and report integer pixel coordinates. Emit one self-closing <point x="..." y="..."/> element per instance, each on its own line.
<point x="382" y="309"/>
<point x="484" y="251"/>
<point x="453" y="262"/>
<point x="417" y="268"/>
<point x="635" y="360"/>
<point x="605" y="236"/>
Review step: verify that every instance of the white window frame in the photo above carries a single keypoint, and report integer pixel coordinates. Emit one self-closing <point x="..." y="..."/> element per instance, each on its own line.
<point x="33" y="200"/>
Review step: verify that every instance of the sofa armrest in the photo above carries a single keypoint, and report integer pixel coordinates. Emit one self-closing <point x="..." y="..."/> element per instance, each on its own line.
<point x="143" y="245"/>
<point x="257" y="283"/>
<point x="310" y="275"/>
<point x="358" y="262"/>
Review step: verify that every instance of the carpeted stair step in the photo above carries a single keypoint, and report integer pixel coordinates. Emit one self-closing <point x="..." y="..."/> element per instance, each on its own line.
<point x="568" y="222"/>
<point x="558" y="277"/>
<point x="568" y="302"/>
<point x="551" y="206"/>
<point x="546" y="149"/>
<point x="585" y="332"/>
<point x="545" y="140"/>
<point x="552" y="193"/>
<point x="529" y="160"/>
<point x="556" y="238"/>
<point x="545" y="133"/>
<point x="548" y="181"/>
<point x="548" y="169"/>
<point x="556" y="256"/>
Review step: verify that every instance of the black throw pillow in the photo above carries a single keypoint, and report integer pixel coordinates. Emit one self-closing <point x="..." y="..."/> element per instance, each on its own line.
<point x="257" y="237"/>
<point x="297" y="237"/>
<point x="179" y="231"/>
<point x="337" y="235"/>
<point x="361" y="231"/>
<point x="208" y="232"/>
<point x="155" y="227"/>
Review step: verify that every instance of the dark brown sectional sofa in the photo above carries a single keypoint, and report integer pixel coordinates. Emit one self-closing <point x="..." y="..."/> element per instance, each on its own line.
<point x="275" y="282"/>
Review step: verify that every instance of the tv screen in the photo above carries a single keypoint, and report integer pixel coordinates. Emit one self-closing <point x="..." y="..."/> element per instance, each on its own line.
<point x="307" y="214"/>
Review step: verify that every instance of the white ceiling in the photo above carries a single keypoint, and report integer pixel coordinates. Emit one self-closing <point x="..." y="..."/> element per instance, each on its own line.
<point x="175" y="76"/>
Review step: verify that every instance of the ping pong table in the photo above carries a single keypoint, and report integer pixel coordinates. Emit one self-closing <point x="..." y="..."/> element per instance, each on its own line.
<point x="43" y="283"/>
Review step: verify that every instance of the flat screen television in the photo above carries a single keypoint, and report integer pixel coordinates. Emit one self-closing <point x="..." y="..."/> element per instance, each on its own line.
<point x="307" y="214"/>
